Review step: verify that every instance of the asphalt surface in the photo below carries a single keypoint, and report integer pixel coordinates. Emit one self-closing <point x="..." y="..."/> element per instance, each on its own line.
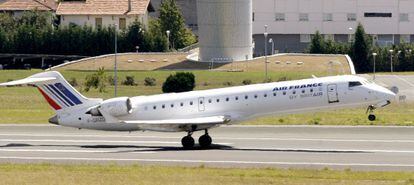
<point x="357" y="148"/>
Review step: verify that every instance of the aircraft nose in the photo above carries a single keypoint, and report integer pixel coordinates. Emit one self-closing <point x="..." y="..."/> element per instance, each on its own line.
<point x="54" y="120"/>
<point x="388" y="95"/>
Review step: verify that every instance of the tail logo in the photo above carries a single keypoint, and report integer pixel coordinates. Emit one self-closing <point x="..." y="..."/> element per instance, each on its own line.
<point x="58" y="96"/>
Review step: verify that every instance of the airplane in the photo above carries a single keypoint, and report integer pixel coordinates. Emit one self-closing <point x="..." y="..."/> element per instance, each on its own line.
<point x="205" y="109"/>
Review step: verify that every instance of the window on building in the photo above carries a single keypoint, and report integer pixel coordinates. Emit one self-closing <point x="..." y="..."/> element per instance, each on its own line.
<point x="303" y="17"/>
<point x="122" y="23"/>
<point x="279" y="17"/>
<point x="329" y="37"/>
<point x="377" y="14"/>
<point x="305" y="38"/>
<point x="98" y="22"/>
<point x="405" y="38"/>
<point x="327" y="17"/>
<point x="351" y="17"/>
<point x="404" y="17"/>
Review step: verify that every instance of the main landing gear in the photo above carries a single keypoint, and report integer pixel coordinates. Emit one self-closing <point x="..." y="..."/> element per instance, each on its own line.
<point x="204" y="141"/>
<point x="371" y="116"/>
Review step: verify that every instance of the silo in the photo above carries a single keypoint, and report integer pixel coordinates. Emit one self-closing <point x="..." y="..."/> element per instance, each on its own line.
<point x="225" y="29"/>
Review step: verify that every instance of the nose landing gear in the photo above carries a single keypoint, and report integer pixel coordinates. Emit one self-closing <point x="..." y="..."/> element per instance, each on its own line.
<point x="370" y="110"/>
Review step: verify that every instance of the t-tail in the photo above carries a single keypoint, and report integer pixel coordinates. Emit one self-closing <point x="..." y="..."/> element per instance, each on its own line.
<point x="60" y="95"/>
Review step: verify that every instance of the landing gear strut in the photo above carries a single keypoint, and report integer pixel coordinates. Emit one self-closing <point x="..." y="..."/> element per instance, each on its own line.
<point x="205" y="140"/>
<point x="187" y="141"/>
<point x="371" y="116"/>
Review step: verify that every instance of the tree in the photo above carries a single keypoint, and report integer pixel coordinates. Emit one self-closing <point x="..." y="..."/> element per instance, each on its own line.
<point x="180" y="82"/>
<point x="171" y="19"/>
<point x="361" y="49"/>
<point x="317" y="44"/>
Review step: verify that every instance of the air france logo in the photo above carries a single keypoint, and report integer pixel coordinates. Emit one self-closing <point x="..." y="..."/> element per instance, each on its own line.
<point x="297" y="87"/>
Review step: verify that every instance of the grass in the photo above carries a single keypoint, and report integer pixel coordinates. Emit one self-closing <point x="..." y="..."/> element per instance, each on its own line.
<point x="26" y="105"/>
<point x="136" y="174"/>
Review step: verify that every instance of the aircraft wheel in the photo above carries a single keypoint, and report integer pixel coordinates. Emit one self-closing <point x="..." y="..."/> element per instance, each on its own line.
<point x="371" y="117"/>
<point x="187" y="142"/>
<point x="205" y="141"/>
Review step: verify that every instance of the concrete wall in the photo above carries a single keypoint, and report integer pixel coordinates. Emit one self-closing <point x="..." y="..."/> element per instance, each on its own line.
<point x="225" y="29"/>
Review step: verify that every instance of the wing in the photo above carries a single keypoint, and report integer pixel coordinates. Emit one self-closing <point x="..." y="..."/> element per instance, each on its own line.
<point x="192" y="121"/>
<point x="176" y="125"/>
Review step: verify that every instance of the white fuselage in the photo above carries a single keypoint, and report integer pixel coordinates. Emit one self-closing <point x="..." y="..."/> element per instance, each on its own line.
<point x="241" y="103"/>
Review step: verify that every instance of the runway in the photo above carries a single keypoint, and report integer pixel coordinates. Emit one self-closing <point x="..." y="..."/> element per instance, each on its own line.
<point x="357" y="148"/>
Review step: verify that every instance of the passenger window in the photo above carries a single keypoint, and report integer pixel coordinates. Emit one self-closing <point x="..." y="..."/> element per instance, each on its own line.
<point x="163" y="106"/>
<point x="274" y="94"/>
<point x="227" y="99"/>
<point x="294" y="92"/>
<point x="246" y="97"/>
<point x="284" y="93"/>
<point x="218" y="100"/>
<point x="181" y="104"/>
<point x="191" y="102"/>
<point x="265" y="95"/>
<point x="201" y="102"/>
<point x="209" y="100"/>
<point x="172" y="105"/>
<point x="354" y="84"/>
<point x="311" y="90"/>
<point x="236" y="98"/>
<point x="155" y="107"/>
<point x="303" y="91"/>
<point x="255" y="96"/>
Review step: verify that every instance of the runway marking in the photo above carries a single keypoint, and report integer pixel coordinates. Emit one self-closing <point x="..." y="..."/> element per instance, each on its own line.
<point x="224" y="138"/>
<point x="70" y="151"/>
<point x="209" y="161"/>
<point x="93" y="141"/>
<point x="331" y="150"/>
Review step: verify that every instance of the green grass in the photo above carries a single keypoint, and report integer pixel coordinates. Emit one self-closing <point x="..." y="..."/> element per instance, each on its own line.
<point x="26" y="105"/>
<point x="136" y="174"/>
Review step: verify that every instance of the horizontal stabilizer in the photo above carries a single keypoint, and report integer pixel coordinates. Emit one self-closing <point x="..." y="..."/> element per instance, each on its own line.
<point x="195" y="121"/>
<point x="30" y="80"/>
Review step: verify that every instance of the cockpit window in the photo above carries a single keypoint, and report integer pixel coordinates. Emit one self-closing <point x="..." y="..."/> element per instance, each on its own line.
<point x="354" y="84"/>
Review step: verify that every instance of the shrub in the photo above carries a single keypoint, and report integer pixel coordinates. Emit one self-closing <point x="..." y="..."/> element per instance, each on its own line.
<point x="148" y="81"/>
<point x="111" y="80"/>
<point x="73" y="82"/>
<point x="179" y="82"/>
<point x="129" y="81"/>
<point x="96" y="80"/>
<point x="247" y="82"/>
<point x="228" y="83"/>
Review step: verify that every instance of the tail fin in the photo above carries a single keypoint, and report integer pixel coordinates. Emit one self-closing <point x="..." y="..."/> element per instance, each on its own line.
<point x="55" y="89"/>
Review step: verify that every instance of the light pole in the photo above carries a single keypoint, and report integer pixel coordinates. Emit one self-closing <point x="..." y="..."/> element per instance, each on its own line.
<point x="350" y="34"/>
<point x="265" y="42"/>
<point x="391" y="52"/>
<point x="273" y="46"/>
<point x="137" y="47"/>
<point x="168" y="36"/>
<point x="116" y="64"/>
<point x="374" y="55"/>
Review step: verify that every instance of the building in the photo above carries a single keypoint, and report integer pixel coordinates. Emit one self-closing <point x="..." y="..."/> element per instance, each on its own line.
<point x="224" y="30"/>
<point x="103" y="13"/>
<point x="291" y="23"/>
<point x="17" y="7"/>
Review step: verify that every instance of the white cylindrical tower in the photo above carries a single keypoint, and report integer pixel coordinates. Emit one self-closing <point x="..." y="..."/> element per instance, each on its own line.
<point x="225" y="29"/>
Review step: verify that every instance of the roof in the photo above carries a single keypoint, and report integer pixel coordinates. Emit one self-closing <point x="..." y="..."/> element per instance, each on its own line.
<point x="25" y="5"/>
<point x="104" y="7"/>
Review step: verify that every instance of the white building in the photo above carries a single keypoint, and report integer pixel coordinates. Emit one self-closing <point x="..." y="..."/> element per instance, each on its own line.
<point x="292" y="22"/>
<point x="103" y="13"/>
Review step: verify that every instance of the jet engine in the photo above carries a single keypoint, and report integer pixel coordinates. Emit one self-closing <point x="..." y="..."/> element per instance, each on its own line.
<point x="115" y="107"/>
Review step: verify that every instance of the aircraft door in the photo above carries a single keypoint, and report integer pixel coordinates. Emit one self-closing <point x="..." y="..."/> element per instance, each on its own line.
<point x="201" y="104"/>
<point x="332" y="93"/>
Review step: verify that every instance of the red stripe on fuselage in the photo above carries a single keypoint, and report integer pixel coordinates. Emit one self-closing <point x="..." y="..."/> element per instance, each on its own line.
<point x="49" y="100"/>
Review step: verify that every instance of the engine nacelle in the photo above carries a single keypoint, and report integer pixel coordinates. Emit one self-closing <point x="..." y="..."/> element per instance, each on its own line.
<point x="115" y="107"/>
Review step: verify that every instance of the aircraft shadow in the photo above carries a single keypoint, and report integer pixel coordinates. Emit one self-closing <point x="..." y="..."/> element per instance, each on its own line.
<point x="135" y="148"/>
